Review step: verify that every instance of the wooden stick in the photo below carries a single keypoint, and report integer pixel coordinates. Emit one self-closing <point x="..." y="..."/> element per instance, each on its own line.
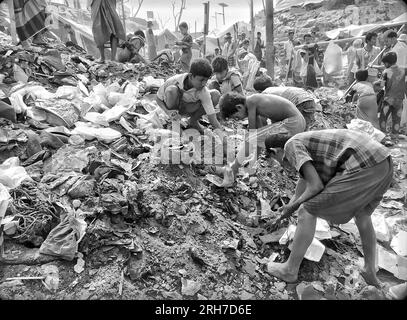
<point x="25" y="278"/>
<point x="288" y="70"/>
<point x="369" y="66"/>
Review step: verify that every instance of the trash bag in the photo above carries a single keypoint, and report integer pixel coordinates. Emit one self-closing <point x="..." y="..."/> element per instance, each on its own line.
<point x="68" y="92"/>
<point x="12" y="174"/>
<point x="333" y="59"/>
<point x="63" y="240"/>
<point x="90" y="132"/>
<point x="4" y="201"/>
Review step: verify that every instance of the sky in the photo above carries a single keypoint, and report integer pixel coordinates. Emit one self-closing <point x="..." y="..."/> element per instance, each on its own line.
<point x="238" y="10"/>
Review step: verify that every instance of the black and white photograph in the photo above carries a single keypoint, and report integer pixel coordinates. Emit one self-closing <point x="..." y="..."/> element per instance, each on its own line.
<point x="203" y="158"/>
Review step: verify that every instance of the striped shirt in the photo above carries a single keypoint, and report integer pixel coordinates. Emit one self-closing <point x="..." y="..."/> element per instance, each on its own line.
<point x="293" y="94"/>
<point x="334" y="151"/>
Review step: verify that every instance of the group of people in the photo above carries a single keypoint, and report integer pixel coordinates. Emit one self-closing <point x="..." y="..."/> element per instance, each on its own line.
<point x="343" y="173"/>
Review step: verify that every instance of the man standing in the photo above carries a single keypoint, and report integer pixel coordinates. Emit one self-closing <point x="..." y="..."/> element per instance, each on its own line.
<point x="400" y="48"/>
<point x="259" y="46"/>
<point x="106" y="26"/>
<point x="343" y="175"/>
<point x="367" y="54"/>
<point x="288" y="53"/>
<point x="309" y="55"/>
<point x="229" y="50"/>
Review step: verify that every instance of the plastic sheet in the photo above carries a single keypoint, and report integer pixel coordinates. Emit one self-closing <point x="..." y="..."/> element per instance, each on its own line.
<point x="12" y="174"/>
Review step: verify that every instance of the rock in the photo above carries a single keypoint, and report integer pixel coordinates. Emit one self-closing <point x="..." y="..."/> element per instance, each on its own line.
<point x="249" y="267"/>
<point x="201" y="297"/>
<point x="190" y="287"/>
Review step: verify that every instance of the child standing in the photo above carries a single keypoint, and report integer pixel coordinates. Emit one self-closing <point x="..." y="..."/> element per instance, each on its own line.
<point x="394" y="91"/>
<point x="364" y="95"/>
<point x="186" y="45"/>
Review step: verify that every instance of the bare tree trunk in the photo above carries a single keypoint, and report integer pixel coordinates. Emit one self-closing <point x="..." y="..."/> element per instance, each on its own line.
<point x="177" y="16"/>
<point x="270" y="38"/>
<point x="252" y="25"/>
<point x="140" y="2"/>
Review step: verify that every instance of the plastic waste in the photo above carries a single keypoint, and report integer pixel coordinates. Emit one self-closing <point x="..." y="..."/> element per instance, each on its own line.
<point x="153" y="82"/>
<point x="115" y="113"/>
<point x="366" y="127"/>
<point x="399" y="243"/>
<point x="63" y="240"/>
<point x="89" y="131"/>
<point x="12" y="174"/>
<point x="96" y="118"/>
<point x="333" y="58"/>
<point x="68" y="92"/>
<point x="18" y="103"/>
<point x="100" y="91"/>
<point x="4" y="200"/>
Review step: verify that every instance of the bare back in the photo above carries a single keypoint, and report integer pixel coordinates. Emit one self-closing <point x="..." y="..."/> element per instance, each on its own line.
<point x="272" y="107"/>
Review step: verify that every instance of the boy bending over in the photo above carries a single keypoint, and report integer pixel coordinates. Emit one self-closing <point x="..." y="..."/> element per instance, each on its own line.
<point x="283" y="114"/>
<point x="343" y="175"/>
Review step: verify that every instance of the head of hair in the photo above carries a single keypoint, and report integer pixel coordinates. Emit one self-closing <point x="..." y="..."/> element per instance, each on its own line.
<point x="259" y="33"/>
<point x="183" y="25"/>
<point x="307" y="35"/>
<point x="262" y="83"/>
<point x="219" y="64"/>
<point x="140" y="33"/>
<point x="390" y="58"/>
<point x="392" y="34"/>
<point x="362" y="75"/>
<point x="201" y="67"/>
<point x="276" y="140"/>
<point x="229" y="103"/>
<point x="370" y="35"/>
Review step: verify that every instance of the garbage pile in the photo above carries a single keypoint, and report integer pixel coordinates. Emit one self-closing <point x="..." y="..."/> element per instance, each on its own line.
<point x="84" y="179"/>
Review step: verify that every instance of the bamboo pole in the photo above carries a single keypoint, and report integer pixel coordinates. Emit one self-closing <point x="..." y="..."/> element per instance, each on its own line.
<point x="270" y="38"/>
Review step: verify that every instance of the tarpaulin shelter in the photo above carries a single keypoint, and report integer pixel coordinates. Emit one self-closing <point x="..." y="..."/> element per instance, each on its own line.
<point x="163" y="37"/>
<point x="280" y="5"/>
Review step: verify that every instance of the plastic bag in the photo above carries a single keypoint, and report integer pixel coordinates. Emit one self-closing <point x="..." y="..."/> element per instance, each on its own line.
<point x="63" y="240"/>
<point x="366" y="127"/>
<point x="333" y="58"/>
<point x="68" y="92"/>
<point x="96" y="118"/>
<point x="17" y="102"/>
<point x="153" y="82"/>
<point x="89" y="132"/>
<point x="100" y="91"/>
<point x="4" y="200"/>
<point x="12" y="174"/>
<point x="115" y="113"/>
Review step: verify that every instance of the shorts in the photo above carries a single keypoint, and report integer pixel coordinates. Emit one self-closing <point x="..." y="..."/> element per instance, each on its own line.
<point x="292" y="126"/>
<point x="352" y="195"/>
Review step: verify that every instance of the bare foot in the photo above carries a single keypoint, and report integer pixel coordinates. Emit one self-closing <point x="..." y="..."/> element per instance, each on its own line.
<point x="100" y="61"/>
<point x="279" y="270"/>
<point x="370" y="278"/>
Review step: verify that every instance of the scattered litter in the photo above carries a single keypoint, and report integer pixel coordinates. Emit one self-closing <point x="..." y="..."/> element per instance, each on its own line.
<point x="399" y="243"/>
<point x="190" y="287"/>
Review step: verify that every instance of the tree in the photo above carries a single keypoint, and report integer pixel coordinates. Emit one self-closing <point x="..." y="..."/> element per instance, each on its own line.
<point x="177" y="16"/>
<point x="134" y="8"/>
<point x="270" y="38"/>
<point x="162" y="23"/>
